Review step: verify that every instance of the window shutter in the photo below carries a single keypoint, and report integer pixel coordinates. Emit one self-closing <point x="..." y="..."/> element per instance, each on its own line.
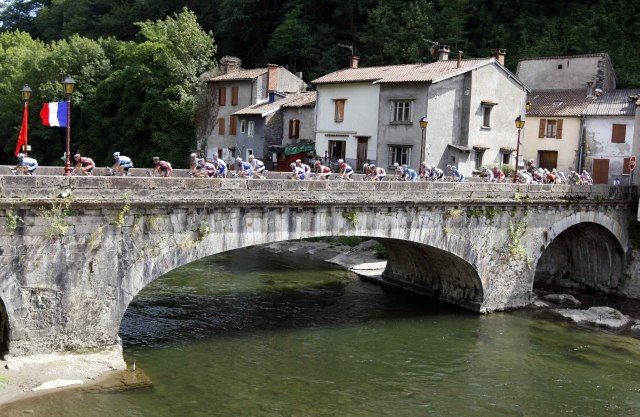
<point x="233" y="125"/>
<point x="296" y="128"/>
<point x="234" y="96"/>
<point x="543" y="126"/>
<point x="559" y="129"/>
<point x="221" y="126"/>
<point x="222" y="96"/>
<point x="618" y="133"/>
<point x="625" y="167"/>
<point x="339" y="117"/>
<point x="290" y="128"/>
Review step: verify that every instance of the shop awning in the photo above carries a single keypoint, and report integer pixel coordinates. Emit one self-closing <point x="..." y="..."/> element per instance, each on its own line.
<point x="292" y="150"/>
<point x="459" y="147"/>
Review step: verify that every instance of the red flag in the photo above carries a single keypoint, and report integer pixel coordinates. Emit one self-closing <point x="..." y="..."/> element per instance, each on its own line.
<point x="24" y="131"/>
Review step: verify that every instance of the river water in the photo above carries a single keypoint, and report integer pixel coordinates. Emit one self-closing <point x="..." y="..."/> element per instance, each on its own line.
<point x="251" y="333"/>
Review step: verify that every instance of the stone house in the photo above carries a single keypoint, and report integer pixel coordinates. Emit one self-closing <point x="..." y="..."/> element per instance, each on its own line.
<point x="609" y="123"/>
<point x="553" y="128"/>
<point x="373" y="113"/>
<point x="265" y="129"/>
<point x="234" y="89"/>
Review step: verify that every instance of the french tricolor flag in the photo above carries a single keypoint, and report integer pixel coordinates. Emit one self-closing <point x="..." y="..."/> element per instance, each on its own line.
<point x="55" y="114"/>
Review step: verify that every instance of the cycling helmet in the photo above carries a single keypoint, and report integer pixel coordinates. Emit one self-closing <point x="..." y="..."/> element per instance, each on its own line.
<point x="292" y="165"/>
<point x="194" y="155"/>
<point x="365" y="166"/>
<point x="156" y="159"/>
<point x="116" y="155"/>
<point x="238" y="159"/>
<point x="76" y="156"/>
<point x="341" y="161"/>
<point x="250" y="157"/>
<point x="20" y="156"/>
<point x="298" y="161"/>
<point x="395" y="164"/>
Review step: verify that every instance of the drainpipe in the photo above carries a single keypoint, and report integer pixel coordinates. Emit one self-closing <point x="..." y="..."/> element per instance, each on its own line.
<point x="581" y="147"/>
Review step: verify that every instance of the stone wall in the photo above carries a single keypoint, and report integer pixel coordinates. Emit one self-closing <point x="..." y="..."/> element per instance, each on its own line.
<point x="69" y="267"/>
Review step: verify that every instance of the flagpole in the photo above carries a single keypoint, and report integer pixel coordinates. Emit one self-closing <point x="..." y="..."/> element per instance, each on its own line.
<point x="69" y="84"/>
<point x="26" y="138"/>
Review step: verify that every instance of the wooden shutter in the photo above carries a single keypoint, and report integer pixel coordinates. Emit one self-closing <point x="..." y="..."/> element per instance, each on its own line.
<point x="233" y="125"/>
<point x="221" y="126"/>
<point x="339" y="117"/>
<point x="618" y="133"/>
<point x="626" y="170"/>
<point x="543" y="126"/>
<point x="290" y="128"/>
<point x="600" y="171"/>
<point x="296" y="128"/>
<point x="222" y="96"/>
<point x="559" y="129"/>
<point x="234" y="96"/>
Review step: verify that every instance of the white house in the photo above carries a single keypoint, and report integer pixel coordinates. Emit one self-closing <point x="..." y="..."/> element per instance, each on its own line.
<point x="608" y="135"/>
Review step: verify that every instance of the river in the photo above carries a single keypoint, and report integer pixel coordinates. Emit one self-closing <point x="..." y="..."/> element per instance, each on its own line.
<point x="251" y="333"/>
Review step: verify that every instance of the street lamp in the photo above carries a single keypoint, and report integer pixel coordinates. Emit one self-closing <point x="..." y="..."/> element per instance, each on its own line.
<point x="69" y="85"/>
<point x="519" y="125"/>
<point x="423" y="125"/>
<point x="26" y="95"/>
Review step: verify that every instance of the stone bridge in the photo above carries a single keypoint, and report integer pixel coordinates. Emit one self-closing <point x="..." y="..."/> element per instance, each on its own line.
<point x="74" y="252"/>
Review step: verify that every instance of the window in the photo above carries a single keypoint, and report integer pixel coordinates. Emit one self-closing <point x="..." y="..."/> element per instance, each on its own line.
<point x="234" y="96"/>
<point x="618" y="133"/>
<point x="550" y="128"/>
<point x="401" y="111"/>
<point x="221" y="126"/>
<point x="560" y="66"/>
<point x="626" y="169"/>
<point x="233" y="125"/>
<point x="250" y="128"/>
<point x="294" y="128"/>
<point x="506" y="158"/>
<point x="243" y="126"/>
<point x="486" y="116"/>
<point x="337" y="149"/>
<point x="222" y="96"/>
<point x="479" y="155"/>
<point x="399" y="154"/>
<point x="249" y="152"/>
<point x="339" y="110"/>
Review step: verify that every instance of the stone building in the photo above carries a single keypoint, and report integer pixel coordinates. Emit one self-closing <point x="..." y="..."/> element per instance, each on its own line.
<point x="608" y="135"/>
<point x="266" y="129"/>
<point x="234" y="89"/>
<point x="553" y="128"/>
<point x="373" y="113"/>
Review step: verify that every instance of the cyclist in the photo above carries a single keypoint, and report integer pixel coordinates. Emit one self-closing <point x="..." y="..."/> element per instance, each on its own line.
<point x="298" y="172"/>
<point x="221" y="167"/>
<point x="196" y="164"/>
<point x="83" y="164"/>
<point x="457" y="175"/>
<point x="122" y="164"/>
<point x="258" y="167"/>
<point x="345" y="170"/>
<point x="377" y="173"/>
<point x="245" y="170"/>
<point x="323" y="172"/>
<point x="162" y="167"/>
<point x="26" y="164"/>
<point x="409" y="174"/>
<point x="498" y="175"/>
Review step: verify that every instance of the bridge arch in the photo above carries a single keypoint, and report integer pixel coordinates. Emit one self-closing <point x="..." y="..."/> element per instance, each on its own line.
<point x="441" y="267"/>
<point x="586" y="252"/>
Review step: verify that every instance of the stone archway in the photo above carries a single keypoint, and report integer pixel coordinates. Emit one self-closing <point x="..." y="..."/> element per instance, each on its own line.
<point x="585" y="255"/>
<point x="4" y="330"/>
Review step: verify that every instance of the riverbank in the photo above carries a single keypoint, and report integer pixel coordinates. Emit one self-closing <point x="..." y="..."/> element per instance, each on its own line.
<point x="25" y="377"/>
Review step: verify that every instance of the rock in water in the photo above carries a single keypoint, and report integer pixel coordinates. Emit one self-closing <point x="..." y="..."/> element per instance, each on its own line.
<point x="562" y="299"/>
<point x="606" y="317"/>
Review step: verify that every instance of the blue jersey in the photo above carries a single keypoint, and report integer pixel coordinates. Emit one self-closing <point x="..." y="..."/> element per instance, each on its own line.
<point x="411" y="174"/>
<point x="124" y="161"/>
<point x="299" y="172"/>
<point x="222" y="167"/>
<point x="247" y="168"/>
<point x="30" y="163"/>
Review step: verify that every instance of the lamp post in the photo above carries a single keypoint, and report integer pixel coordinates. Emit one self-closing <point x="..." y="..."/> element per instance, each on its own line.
<point x="423" y="125"/>
<point x="69" y="85"/>
<point x="26" y="95"/>
<point x="519" y="125"/>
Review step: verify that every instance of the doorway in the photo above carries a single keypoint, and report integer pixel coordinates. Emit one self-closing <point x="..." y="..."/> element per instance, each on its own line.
<point x="548" y="159"/>
<point x="361" y="151"/>
<point x="600" y="171"/>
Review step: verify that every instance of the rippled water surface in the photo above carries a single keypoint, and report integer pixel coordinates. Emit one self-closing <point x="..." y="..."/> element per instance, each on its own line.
<point x="251" y="333"/>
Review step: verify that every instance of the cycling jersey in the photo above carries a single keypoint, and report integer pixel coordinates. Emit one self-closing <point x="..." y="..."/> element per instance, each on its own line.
<point x="346" y="168"/>
<point x="379" y="173"/>
<point x="299" y="173"/>
<point x="247" y="168"/>
<point x="124" y="162"/>
<point x="30" y="163"/>
<point x="258" y="165"/>
<point x="86" y="163"/>
<point x="222" y="167"/>
<point x="411" y="174"/>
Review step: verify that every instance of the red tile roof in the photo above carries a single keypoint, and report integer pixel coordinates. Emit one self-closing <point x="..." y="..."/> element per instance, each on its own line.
<point x="248" y="74"/>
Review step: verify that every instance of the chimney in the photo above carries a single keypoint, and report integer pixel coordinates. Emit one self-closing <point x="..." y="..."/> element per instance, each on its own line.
<point x="589" y="89"/>
<point x="459" y="59"/>
<point x="354" y="61"/>
<point x="272" y="77"/>
<point x="443" y="53"/>
<point x="499" y="54"/>
<point x="299" y="74"/>
<point x="229" y="64"/>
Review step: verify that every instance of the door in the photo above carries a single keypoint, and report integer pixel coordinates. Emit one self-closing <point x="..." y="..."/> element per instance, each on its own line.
<point x="600" y="171"/>
<point x="548" y="159"/>
<point x="361" y="152"/>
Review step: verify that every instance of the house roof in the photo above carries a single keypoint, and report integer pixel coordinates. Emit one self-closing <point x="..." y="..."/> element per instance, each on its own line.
<point x="558" y="103"/>
<point x="304" y="99"/>
<point x="243" y="74"/>
<point x="420" y="72"/>
<point x="544" y="58"/>
<point x="298" y="100"/>
<point x="614" y="103"/>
